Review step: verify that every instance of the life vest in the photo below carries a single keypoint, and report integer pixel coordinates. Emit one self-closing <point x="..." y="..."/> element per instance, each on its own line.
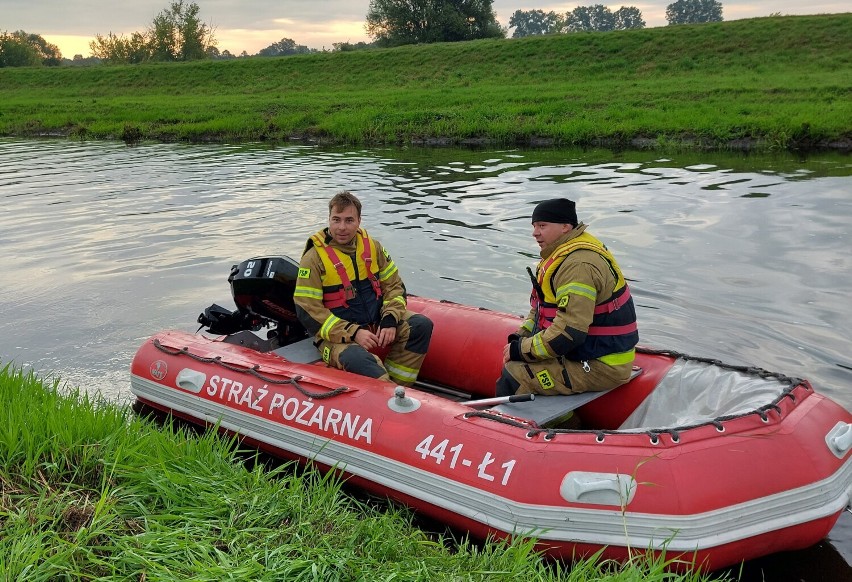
<point x="613" y="328"/>
<point x="344" y="280"/>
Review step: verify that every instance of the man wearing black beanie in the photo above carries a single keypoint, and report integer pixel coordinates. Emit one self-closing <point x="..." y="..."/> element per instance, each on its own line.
<point x="581" y="330"/>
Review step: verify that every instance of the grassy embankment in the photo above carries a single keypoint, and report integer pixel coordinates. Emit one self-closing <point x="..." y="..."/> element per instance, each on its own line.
<point x="766" y="83"/>
<point x="90" y="491"/>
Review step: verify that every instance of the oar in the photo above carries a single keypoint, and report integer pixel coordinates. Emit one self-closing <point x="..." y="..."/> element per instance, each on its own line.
<point x="501" y="400"/>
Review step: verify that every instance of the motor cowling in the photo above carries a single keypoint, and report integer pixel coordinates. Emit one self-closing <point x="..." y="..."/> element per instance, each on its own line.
<point x="262" y="288"/>
<point x="265" y="286"/>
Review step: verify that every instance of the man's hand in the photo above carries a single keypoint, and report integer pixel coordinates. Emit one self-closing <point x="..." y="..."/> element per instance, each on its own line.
<point x="367" y="339"/>
<point x="386" y="336"/>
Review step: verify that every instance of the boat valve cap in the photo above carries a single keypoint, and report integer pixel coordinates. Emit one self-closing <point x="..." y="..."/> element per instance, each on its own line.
<point x="402" y="403"/>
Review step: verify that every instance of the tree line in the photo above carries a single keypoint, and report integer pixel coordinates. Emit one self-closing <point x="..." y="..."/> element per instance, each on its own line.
<point x="599" y="18"/>
<point x="177" y="33"/>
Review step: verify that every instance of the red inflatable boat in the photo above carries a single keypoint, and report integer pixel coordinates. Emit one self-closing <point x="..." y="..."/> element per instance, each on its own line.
<point x="716" y="463"/>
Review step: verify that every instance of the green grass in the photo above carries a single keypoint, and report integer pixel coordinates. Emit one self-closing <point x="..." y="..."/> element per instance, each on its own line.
<point x="778" y="81"/>
<point x="90" y="491"/>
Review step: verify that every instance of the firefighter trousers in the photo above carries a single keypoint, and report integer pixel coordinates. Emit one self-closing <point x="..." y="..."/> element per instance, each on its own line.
<point x="402" y="362"/>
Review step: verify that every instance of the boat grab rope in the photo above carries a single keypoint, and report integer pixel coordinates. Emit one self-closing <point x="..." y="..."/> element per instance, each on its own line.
<point x="253" y="371"/>
<point x="674" y="433"/>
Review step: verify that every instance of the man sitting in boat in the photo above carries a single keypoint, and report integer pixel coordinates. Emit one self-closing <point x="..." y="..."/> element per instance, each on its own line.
<point x="350" y="296"/>
<point x="581" y="331"/>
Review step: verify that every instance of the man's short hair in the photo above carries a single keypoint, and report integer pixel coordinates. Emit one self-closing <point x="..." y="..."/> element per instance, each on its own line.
<point x="343" y="200"/>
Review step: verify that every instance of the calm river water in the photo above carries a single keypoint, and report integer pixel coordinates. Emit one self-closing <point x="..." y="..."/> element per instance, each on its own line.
<point x="742" y="258"/>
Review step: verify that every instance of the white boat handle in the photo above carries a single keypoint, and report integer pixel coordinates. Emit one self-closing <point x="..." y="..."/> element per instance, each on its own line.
<point x="191" y="380"/>
<point x="839" y="439"/>
<point x="598" y="488"/>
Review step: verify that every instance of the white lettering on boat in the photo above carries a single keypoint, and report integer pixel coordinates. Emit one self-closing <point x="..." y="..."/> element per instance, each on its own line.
<point x="236" y="392"/>
<point x="292" y="409"/>
<point x="439" y="451"/>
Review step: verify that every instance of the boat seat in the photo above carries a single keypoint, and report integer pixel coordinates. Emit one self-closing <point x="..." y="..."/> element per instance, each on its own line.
<point x="551" y="410"/>
<point x="300" y="352"/>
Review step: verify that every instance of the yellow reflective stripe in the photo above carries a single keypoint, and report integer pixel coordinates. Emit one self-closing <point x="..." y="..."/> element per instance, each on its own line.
<point x="308" y="292"/>
<point x="389" y="270"/>
<point x="580" y="289"/>
<point x="619" y="358"/>
<point x="528" y="325"/>
<point x="399" y="298"/>
<point x="562" y="291"/>
<point x="538" y="347"/>
<point x="400" y="373"/>
<point x="326" y="327"/>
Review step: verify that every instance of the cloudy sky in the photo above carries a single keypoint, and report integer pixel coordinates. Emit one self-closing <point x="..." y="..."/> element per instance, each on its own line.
<point x="250" y="25"/>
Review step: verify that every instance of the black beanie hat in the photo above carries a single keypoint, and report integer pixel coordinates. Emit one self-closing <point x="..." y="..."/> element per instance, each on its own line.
<point x="558" y="210"/>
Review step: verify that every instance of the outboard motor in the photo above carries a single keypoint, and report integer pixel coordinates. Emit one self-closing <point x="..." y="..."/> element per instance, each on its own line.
<point x="262" y="288"/>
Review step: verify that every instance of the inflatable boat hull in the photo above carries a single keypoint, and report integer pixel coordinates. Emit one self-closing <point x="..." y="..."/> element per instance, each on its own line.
<point x="716" y="490"/>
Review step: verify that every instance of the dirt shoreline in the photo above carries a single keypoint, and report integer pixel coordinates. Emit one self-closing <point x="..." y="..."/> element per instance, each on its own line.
<point x="687" y="142"/>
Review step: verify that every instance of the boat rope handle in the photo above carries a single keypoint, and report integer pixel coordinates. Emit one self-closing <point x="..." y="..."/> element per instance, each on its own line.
<point x="253" y="371"/>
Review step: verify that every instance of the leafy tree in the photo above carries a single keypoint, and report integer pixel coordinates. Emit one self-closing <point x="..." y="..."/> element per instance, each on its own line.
<point x="284" y="47"/>
<point x="532" y="22"/>
<point x="114" y="49"/>
<point x="348" y="46"/>
<point x="22" y="49"/>
<point x="177" y="34"/>
<point x="400" y="22"/>
<point x="628" y="17"/>
<point x="16" y="52"/>
<point x="597" y="18"/>
<point x="694" y="11"/>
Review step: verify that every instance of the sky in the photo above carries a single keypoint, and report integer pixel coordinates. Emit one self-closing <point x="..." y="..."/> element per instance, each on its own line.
<point x="251" y="25"/>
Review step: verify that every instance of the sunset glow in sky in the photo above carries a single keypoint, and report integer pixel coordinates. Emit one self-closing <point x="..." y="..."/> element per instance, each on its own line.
<point x="255" y="24"/>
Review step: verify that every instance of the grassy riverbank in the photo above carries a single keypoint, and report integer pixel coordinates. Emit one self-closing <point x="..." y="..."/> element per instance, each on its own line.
<point x="766" y="83"/>
<point x="89" y="491"/>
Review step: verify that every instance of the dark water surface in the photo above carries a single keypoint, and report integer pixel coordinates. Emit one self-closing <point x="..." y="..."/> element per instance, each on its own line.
<point x="742" y="258"/>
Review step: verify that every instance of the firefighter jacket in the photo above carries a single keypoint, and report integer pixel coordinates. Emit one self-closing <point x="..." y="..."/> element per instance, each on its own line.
<point x="581" y="306"/>
<point x="341" y="288"/>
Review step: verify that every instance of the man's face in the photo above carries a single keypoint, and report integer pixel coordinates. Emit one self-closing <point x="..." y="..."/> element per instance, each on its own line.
<point x="342" y="224"/>
<point x="546" y="233"/>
